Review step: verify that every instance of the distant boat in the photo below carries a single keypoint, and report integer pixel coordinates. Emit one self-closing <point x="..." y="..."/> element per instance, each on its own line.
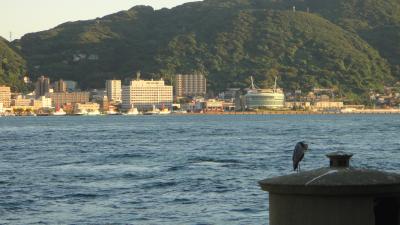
<point x="132" y="112"/>
<point x="180" y="112"/>
<point x="94" y="113"/>
<point x="165" y="112"/>
<point x="155" y="111"/>
<point x="59" y="112"/>
<point x="112" y="113"/>
<point x="81" y="113"/>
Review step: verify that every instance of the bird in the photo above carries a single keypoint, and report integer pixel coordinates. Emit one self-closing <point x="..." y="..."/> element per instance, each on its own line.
<point x="298" y="154"/>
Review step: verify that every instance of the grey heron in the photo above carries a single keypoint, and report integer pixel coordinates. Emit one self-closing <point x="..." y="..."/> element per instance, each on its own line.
<point x="298" y="154"/>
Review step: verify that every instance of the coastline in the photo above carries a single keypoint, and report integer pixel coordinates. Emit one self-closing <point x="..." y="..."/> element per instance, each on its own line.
<point x="271" y="112"/>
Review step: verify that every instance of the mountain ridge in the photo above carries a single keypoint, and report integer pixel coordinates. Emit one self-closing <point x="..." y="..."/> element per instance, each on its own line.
<point x="213" y="37"/>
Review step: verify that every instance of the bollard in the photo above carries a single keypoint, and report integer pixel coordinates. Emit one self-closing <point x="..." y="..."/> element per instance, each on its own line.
<point x="336" y="195"/>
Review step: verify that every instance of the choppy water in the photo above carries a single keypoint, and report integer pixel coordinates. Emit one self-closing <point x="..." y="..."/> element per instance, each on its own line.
<point x="169" y="170"/>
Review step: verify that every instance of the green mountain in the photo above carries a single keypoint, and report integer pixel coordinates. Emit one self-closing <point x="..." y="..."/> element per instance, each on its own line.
<point x="337" y="43"/>
<point x="12" y="67"/>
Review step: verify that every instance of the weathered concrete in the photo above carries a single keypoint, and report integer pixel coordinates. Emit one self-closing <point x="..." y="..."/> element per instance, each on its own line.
<point x="320" y="210"/>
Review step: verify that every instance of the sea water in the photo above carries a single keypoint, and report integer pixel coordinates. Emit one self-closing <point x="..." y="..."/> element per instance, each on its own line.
<point x="170" y="169"/>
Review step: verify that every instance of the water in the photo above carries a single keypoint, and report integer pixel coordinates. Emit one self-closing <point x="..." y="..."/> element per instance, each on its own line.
<point x="170" y="170"/>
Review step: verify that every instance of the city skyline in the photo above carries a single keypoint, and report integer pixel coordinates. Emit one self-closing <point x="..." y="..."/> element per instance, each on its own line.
<point x="19" y="17"/>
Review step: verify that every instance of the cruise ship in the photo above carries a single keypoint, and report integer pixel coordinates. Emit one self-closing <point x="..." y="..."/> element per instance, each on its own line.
<point x="257" y="98"/>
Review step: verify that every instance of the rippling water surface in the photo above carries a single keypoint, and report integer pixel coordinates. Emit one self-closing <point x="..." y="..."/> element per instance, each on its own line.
<point x="169" y="170"/>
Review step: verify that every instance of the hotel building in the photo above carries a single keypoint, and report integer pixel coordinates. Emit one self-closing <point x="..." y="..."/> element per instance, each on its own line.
<point x="62" y="98"/>
<point x="144" y="94"/>
<point x="5" y="96"/>
<point x="190" y="85"/>
<point x="113" y="89"/>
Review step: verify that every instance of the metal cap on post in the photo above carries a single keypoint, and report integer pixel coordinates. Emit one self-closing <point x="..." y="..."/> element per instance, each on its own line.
<point x="339" y="159"/>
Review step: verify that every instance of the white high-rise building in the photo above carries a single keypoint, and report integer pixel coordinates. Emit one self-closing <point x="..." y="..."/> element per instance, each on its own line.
<point x="143" y="95"/>
<point x="113" y="89"/>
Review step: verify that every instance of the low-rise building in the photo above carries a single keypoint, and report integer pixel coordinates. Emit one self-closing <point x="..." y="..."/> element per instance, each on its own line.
<point x="42" y="102"/>
<point x="323" y="105"/>
<point x="1" y="108"/>
<point x="214" y="105"/>
<point x="62" y="98"/>
<point x="298" y="105"/>
<point x="21" y="101"/>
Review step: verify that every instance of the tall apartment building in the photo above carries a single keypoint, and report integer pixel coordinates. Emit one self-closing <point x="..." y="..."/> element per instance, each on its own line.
<point x="5" y="96"/>
<point x="62" y="98"/>
<point x="113" y="89"/>
<point x="60" y="86"/>
<point x="144" y="94"/>
<point x="42" y="86"/>
<point x="190" y="85"/>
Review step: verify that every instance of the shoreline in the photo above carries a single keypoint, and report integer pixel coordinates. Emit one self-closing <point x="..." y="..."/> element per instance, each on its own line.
<point x="360" y="112"/>
<point x="364" y="112"/>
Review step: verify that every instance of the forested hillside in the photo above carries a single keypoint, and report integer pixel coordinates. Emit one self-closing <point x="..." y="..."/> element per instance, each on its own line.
<point x="12" y="66"/>
<point x="349" y="45"/>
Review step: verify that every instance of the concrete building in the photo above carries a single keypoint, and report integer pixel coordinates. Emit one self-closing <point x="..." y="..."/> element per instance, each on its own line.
<point x="214" y="105"/>
<point x="144" y="94"/>
<point x="5" y="96"/>
<point x="42" y="102"/>
<point x="113" y="89"/>
<point x="60" y="86"/>
<point x="21" y="101"/>
<point x="62" y="98"/>
<point x="1" y="108"/>
<point x="335" y="195"/>
<point x="324" y="105"/>
<point x="190" y="85"/>
<point x="42" y="86"/>
<point x="298" y="105"/>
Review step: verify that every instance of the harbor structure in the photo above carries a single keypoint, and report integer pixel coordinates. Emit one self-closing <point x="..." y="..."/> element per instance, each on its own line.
<point x="42" y="86"/>
<point x="5" y="96"/>
<point x="62" y="98"/>
<point x="338" y="194"/>
<point x="190" y="85"/>
<point x="114" y="90"/>
<point x="143" y="95"/>
<point x="257" y="98"/>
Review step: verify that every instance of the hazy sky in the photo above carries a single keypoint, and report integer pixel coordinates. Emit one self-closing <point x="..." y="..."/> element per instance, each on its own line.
<point x="25" y="16"/>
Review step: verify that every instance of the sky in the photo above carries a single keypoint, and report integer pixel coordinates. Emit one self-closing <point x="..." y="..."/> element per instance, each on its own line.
<point x="25" y="16"/>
